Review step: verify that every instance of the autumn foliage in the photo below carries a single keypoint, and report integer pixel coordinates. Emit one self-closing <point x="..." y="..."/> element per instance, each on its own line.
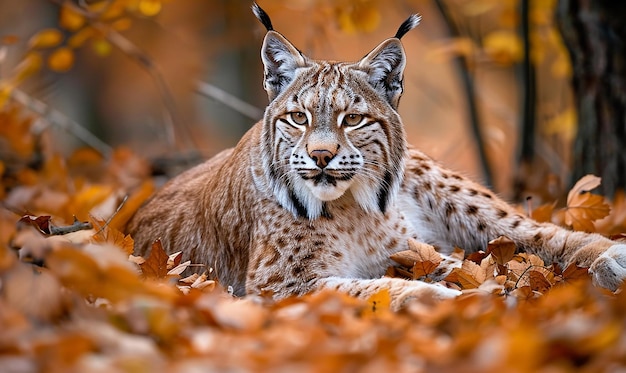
<point x="73" y="297"/>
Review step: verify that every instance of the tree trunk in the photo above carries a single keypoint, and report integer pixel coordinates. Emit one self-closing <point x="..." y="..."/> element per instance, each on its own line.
<point x="594" y="32"/>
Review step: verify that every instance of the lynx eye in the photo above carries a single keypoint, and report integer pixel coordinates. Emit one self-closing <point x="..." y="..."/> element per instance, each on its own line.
<point x="299" y="118"/>
<point x="351" y="120"/>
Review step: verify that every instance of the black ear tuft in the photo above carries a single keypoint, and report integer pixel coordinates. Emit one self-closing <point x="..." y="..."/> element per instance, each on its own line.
<point x="407" y="25"/>
<point x="263" y="17"/>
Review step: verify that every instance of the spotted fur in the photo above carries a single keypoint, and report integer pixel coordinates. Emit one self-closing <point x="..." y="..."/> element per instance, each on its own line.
<point x="324" y="189"/>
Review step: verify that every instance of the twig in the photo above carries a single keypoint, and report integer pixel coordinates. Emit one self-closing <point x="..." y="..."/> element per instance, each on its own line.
<point x="75" y="227"/>
<point x="131" y="50"/>
<point x="470" y="96"/>
<point x="229" y="100"/>
<point x="60" y="120"/>
<point x="108" y="221"/>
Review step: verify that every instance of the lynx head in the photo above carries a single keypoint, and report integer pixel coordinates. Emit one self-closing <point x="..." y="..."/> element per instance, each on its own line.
<point x="331" y="129"/>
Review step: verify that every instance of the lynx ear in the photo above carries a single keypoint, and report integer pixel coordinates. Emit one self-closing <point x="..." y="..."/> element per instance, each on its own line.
<point x="384" y="67"/>
<point x="281" y="59"/>
<point x="385" y="64"/>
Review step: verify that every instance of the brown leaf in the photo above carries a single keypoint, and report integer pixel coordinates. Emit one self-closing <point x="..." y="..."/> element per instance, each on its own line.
<point x="618" y="237"/>
<point x="174" y="260"/>
<point x="469" y="276"/>
<point x="405" y="258"/>
<point x="477" y="256"/>
<point x="502" y="249"/>
<point x="132" y="204"/>
<point x="422" y="258"/>
<point x="428" y="258"/>
<point x="583" y="208"/>
<point x="106" y="233"/>
<point x="525" y="293"/>
<point x="543" y="213"/>
<point x="538" y="281"/>
<point x="40" y="222"/>
<point x="156" y="263"/>
<point x="574" y="272"/>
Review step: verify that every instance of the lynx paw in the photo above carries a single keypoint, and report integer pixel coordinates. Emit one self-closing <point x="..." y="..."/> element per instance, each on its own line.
<point x="423" y="292"/>
<point x="609" y="270"/>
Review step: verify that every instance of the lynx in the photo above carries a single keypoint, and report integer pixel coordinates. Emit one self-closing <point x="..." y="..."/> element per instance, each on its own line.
<point x="324" y="189"/>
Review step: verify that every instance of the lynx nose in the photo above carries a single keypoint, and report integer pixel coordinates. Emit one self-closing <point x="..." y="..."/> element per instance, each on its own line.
<point x="321" y="157"/>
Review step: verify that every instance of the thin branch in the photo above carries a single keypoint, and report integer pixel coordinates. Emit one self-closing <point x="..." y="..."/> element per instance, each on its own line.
<point x="470" y="96"/>
<point x="75" y="227"/>
<point x="233" y="102"/>
<point x="117" y="210"/>
<point x="55" y="117"/>
<point x="131" y="50"/>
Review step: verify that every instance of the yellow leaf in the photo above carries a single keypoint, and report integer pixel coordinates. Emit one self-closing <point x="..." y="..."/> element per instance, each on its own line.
<point x="561" y="67"/>
<point x="61" y="60"/>
<point x="46" y="39"/>
<point x="102" y="47"/>
<point x="583" y="208"/>
<point x="89" y="197"/>
<point x="6" y="89"/>
<point x="564" y="124"/>
<point x="504" y="47"/>
<point x="378" y="303"/>
<point x="149" y="8"/>
<point x="477" y="7"/>
<point x="70" y="19"/>
<point x="30" y="65"/>
<point x="109" y="10"/>
<point x="79" y="38"/>
<point x="361" y="16"/>
<point x="132" y="204"/>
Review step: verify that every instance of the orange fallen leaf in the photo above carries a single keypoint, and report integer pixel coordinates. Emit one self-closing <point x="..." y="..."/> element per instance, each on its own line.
<point x="155" y="265"/>
<point x="46" y="38"/>
<point x="469" y="276"/>
<point x="377" y="303"/>
<point x="427" y="258"/>
<point x="543" y="213"/>
<point x="574" y="273"/>
<point x="583" y="208"/>
<point x="502" y="249"/>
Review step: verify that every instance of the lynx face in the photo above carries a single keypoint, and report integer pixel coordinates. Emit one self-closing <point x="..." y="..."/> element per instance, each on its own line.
<point x="331" y="129"/>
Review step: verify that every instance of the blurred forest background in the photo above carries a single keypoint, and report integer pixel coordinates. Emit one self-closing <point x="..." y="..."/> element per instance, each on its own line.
<point x="488" y="85"/>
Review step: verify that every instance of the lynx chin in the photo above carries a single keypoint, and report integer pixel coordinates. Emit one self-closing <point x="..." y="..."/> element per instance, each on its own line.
<point x="323" y="189"/>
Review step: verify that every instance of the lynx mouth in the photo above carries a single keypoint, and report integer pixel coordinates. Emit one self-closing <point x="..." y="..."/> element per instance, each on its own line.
<point x="327" y="185"/>
<point x="326" y="178"/>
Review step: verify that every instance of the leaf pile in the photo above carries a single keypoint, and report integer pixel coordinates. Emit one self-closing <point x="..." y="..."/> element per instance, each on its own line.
<point x="74" y="298"/>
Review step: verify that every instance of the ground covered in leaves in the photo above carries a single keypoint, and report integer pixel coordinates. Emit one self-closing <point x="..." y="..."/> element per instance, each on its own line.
<point x="74" y="298"/>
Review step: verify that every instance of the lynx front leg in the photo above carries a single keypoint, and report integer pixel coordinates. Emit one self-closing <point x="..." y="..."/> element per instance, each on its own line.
<point x="300" y="274"/>
<point x="609" y="269"/>
<point x="401" y="291"/>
